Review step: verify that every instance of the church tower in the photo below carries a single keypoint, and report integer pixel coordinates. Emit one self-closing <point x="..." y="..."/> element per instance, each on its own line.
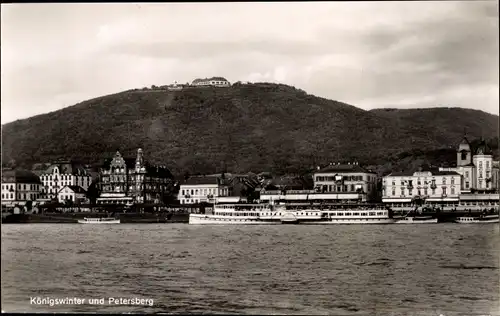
<point x="464" y="154"/>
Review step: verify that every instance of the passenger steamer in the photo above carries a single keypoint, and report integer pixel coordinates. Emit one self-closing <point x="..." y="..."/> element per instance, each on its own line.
<point x="252" y="214"/>
<point x="478" y="219"/>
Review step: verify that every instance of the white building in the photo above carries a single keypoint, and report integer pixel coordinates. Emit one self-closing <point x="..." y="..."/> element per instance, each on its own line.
<point x="73" y="193"/>
<point x="202" y="189"/>
<point x="478" y="170"/>
<point x="63" y="173"/>
<point x="214" y="81"/>
<point x="19" y="186"/>
<point x="347" y="181"/>
<point x="336" y="183"/>
<point x="439" y="188"/>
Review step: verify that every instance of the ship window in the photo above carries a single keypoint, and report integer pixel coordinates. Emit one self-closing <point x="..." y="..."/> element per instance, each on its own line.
<point x="347" y="214"/>
<point x="340" y="214"/>
<point x="380" y="213"/>
<point x="372" y="213"/>
<point x="355" y="214"/>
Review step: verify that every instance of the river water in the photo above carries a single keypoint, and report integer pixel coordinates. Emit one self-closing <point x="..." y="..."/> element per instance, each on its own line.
<point x="447" y="269"/>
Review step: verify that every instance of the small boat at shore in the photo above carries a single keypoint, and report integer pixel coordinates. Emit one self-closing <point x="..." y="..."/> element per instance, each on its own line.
<point x="105" y="220"/>
<point x="417" y="220"/>
<point x="413" y="217"/>
<point x="478" y="219"/>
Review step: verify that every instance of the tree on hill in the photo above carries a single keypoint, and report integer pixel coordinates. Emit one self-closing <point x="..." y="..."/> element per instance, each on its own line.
<point x="250" y="127"/>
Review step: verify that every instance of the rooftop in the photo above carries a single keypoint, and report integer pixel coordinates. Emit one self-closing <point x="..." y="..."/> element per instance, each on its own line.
<point x="201" y="180"/>
<point x="76" y="188"/>
<point x="66" y="167"/>
<point x="19" y="176"/>
<point x="345" y="168"/>
<point x="410" y="173"/>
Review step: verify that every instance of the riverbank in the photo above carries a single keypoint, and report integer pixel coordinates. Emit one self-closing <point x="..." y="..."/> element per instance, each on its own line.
<point x="72" y="218"/>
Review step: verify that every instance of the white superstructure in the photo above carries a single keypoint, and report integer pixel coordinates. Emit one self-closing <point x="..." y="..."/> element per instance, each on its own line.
<point x="109" y="220"/>
<point x="296" y="214"/>
<point x="477" y="219"/>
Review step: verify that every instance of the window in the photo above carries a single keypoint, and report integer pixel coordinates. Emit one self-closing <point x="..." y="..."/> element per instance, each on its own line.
<point x="444" y="191"/>
<point x="452" y="180"/>
<point x="467" y="184"/>
<point x="182" y="192"/>
<point x="444" y="180"/>
<point x="464" y="155"/>
<point x="393" y="191"/>
<point x="452" y="190"/>
<point x="433" y="191"/>
<point x="466" y="174"/>
<point x="425" y="191"/>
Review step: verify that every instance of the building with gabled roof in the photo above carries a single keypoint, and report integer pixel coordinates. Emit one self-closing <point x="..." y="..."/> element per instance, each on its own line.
<point x="127" y="181"/>
<point x="61" y="173"/>
<point x="72" y="193"/>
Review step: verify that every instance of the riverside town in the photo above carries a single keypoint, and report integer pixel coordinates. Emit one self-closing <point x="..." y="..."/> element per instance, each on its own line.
<point x="132" y="190"/>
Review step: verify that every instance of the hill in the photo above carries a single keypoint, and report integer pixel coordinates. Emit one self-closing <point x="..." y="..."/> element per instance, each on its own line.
<point x="241" y="128"/>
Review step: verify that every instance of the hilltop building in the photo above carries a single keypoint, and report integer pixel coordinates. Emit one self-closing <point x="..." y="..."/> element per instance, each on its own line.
<point x="127" y="181"/>
<point x="62" y="173"/>
<point x="19" y="187"/>
<point x="214" y="81"/>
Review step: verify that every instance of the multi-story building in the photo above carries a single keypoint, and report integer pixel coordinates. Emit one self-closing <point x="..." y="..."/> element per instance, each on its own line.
<point x="478" y="170"/>
<point x="125" y="180"/>
<point x="72" y="193"/>
<point x="214" y="81"/>
<point x="203" y="189"/>
<point x="335" y="183"/>
<point x="63" y="173"/>
<point x="19" y="186"/>
<point x="479" y="173"/>
<point x="348" y="181"/>
<point x="439" y="188"/>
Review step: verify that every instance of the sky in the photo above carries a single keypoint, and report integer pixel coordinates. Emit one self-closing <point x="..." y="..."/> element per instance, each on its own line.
<point x="368" y="54"/>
